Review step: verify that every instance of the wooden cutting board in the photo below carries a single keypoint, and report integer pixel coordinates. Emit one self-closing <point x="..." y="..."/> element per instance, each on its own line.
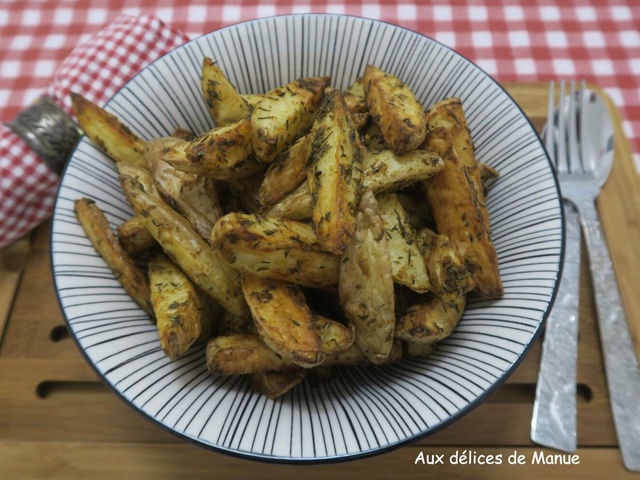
<point x="58" y="420"/>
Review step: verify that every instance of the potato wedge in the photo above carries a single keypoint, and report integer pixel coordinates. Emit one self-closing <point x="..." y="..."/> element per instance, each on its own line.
<point x="335" y="173"/>
<point x="193" y="196"/>
<point x="447" y="272"/>
<point x="97" y="229"/>
<point x="284" y="114"/>
<point x="253" y="99"/>
<point x="366" y="283"/>
<point x="408" y="266"/>
<point x="355" y="356"/>
<point x="449" y="114"/>
<point x="386" y="172"/>
<point x="456" y="210"/>
<point x="287" y="172"/>
<point x="382" y="172"/>
<point x="275" y="248"/>
<point x="283" y="319"/>
<point x="246" y="353"/>
<point x="177" y="306"/>
<point x="223" y="153"/>
<point x="275" y="384"/>
<point x="107" y="132"/>
<point x="187" y="249"/>
<point x="419" y="350"/>
<point x="432" y="320"/>
<point x="395" y="109"/>
<point x="335" y="336"/>
<point x="224" y="102"/>
<point x="243" y="354"/>
<point x="134" y="238"/>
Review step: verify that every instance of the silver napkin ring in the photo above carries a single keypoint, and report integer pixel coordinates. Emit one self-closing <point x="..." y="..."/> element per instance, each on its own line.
<point x="49" y="131"/>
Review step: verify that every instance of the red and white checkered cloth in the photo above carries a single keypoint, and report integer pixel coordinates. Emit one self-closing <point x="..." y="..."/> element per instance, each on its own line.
<point x="513" y="40"/>
<point x="96" y="69"/>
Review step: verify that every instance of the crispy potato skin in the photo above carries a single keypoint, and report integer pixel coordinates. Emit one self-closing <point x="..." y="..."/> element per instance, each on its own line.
<point x="287" y="172"/>
<point x="283" y="319"/>
<point x="335" y="173"/>
<point x="107" y="132"/>
<point x="366" y="283"/>
<point x="432" y="320"/>
<point x="177" y="306"/>
<point x="97" y="229"/>
<point x="134" y="237"/>
<point x="284" y="114"/>
<point x="456" y="206"/>
<point x="224" y="102"/>
<point x="187" y="249"/>
<point x="275" y="248"/>
<point x="408" y="266"/>
<point x="395" y="110"/>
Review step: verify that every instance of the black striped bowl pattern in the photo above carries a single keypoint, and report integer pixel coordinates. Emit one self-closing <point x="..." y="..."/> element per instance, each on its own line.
<point x="363" y="410"/>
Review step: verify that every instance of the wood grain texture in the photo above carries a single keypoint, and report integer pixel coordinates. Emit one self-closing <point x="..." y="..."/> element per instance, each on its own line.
<point x="58" y="420"/>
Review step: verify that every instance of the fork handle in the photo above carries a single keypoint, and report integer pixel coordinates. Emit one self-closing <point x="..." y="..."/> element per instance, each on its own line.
<point x="621" y="363"/>
<point x="553" y="423"/>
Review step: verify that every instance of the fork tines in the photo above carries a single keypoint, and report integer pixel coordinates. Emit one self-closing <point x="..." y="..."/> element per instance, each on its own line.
<point x="565" y="127"/>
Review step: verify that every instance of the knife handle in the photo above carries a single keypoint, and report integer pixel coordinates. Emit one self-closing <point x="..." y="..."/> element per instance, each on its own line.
<point x="621" y="363"/>
<point x="554" y="412"/>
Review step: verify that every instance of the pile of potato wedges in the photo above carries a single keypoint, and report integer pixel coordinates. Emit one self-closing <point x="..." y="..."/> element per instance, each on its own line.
<point x="311" y="227"/>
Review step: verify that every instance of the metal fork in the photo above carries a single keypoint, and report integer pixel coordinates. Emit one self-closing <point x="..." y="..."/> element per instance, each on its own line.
<point x="554" y="412"/>
<point x="581" y="182"/>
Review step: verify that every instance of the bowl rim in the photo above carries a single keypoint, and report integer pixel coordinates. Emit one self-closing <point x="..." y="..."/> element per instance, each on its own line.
<point x="271" y="459"/>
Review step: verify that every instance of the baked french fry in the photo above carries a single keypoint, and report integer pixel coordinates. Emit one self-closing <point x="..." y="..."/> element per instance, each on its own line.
<point x="408" y="266"/>
<point x="275" y="248"/>
<point x="366" y="283"/>
<point x="284" y="114"/>
<point x="447" y="273"/>
<point x="107" y="132"/>
<point x="187" y="249"/>
<point x="431" y="320"/>
<point x="286" y="172"/>
<point x="456" y="206"/>
<point x="283" y="320"/>
<point x="177" y="305"/>
<point x="97" y="229"/>
<point x="395" y="109"/>
<point x="224" y="102"/>
<point x="335" y="172"/>
<point x="133" y="236"/>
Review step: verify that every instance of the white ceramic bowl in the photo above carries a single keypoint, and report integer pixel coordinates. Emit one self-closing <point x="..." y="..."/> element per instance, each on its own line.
<point x="364" y="410"/>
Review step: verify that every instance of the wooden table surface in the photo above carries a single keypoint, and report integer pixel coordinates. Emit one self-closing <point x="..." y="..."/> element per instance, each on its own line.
<point x="58" y="420"/>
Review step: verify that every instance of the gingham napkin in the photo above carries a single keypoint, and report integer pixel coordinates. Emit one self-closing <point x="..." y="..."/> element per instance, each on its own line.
<point x="96" y="69"/>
